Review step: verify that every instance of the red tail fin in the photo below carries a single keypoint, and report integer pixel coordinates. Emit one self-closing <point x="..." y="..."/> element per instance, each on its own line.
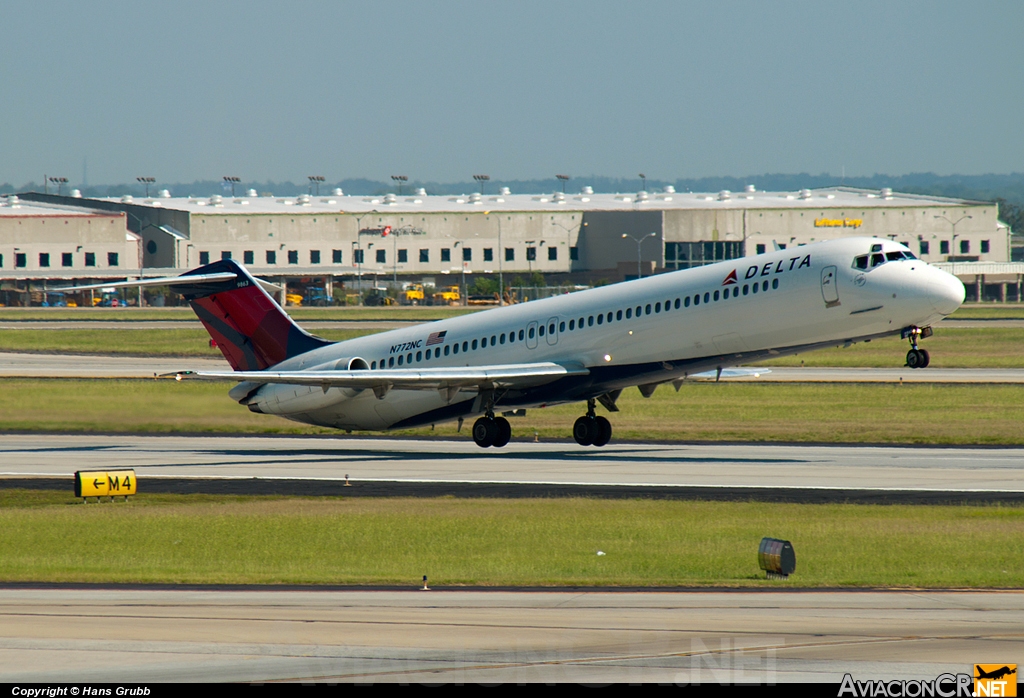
<point x="250" y="328"/>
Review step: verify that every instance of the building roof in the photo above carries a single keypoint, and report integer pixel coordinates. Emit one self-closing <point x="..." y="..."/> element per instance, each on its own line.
<point x="835" y="197"/>
<point x="15" y="207"/>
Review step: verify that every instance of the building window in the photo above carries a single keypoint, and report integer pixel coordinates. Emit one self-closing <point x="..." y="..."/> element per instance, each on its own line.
<point x="552" y="254"/>
<point x="357" y="256"/>
<point x="446" y="254"/>
<point x="923" y="248"/>
<point x="226" y="254"/>
<point x="271" y="257"/>
<point x="574" y="254"/>
<point x="531" y="254"/>
<point x="760" y="249"/>
<point x="248" y="257"/>
<point x="293" y="256"/>
<point x="19" y="260"/>
<point x="984" y="247"/>
<point x="111" y="259"/>
<point x="424" y="256"/>
<point x="403" y="256"/>
<point x="1" y="260"/>
<point x="44" y="259"/>
<point x="944" y="247"/>
<point x="336" y="256"/>
<point x="90" y="259"/>
<point x="382" y="256"/>
<point x="204" y="258"/>
<point x="685" y="255"/>
<point x="965" y="247"/>
<point x="488" y="254"/>
<point x="510" y="254"/>
<point x="467" y="254"/>
<point x="66" y="260"/>
<point x="314" y="256"/>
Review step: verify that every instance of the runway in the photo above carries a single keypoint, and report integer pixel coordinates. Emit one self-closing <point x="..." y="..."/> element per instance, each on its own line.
<point x="705" y="637"/>
<point x="368" y="460"/>
<point x="28" y="365"/>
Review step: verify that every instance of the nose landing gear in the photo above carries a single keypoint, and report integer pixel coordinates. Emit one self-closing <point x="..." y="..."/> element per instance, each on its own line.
<point x="917" y="358"/>
<point x="591" y="430"/>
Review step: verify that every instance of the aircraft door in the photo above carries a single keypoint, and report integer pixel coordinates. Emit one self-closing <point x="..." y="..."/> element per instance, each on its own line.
<point x="552" y="334"/>
<point x="829" y="291"/>
<point x="531" y="335"/>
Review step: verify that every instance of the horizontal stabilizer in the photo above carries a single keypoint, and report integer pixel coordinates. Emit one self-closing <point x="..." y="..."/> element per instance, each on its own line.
<point x="500" y="376"/>
<point x="185" y="280"/>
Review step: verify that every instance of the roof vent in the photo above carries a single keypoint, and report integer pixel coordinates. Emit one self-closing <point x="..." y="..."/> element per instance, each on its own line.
<point x="505" y="191"/>
<point x="558" y="197"/>
<point x="12" y="201"/>
<point x="216" y="200"/>
<point x="338" y="192"/>
<point x="724" y="195"/>
<point x="669" y="189"/>
<point x="126" y="199"/>
<point x="421" y="192"/>
<point x="805" y="193"/>
<point x="641" y="196"/>
<point x="587" y="190"/>
<point x="750" y="188"/>
<point x="302" y="200"/>
<point x="76" y="194"/>
<point x="885" y="193"/>
<point x="475" y="198"/>
<point x="164" y="194"/>
<point x="390" y="199"/>
<point x="251" y="193"/>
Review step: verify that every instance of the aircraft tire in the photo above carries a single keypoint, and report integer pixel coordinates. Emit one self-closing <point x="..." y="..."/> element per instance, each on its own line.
<point x="925" y="358"/>
<point x="583" y="431"/>
<point x="503" y="432"/>
<point x="484" y="432"/>
<point x="914" y="359"/>
<point x="603" y="431"/>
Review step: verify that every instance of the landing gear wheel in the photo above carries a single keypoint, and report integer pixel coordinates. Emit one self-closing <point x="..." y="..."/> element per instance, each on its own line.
<point x="917" y="358"/>
<point x="604" y="431"/>
<point x="503" y="432"/>
<point x="583" y="431"/>
<point x="925" y="358"/>
<point x="484" y="432"/>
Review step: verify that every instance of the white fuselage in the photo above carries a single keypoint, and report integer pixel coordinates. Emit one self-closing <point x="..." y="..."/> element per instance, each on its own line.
<point x="640" y="332"/>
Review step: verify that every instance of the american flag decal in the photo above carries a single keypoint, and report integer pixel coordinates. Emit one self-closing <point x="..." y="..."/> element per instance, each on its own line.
<point x="436" y="338"/>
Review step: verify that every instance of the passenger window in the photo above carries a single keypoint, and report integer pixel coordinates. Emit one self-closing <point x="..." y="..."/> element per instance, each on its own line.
<point x="400" y="357"/>
<point x="419" y="356"/>
<point x="707" y="297"/>
<point x="775" y="283"/>
<point x="391" y="362"/>
<point x="581" y="323"/>
<point x="696" y="299"/>
<point x="639" y="311"/>
<point x="745" y="289"/>
<point x="764" y="285"/>
<point x="465" y="347"/>
<point x="437" y="352"/>
<point x="647" y="309"/>
<point x="541" y="331"/>
<point x="735" y="291"/>
<point x="492" y="340"/>
<point x="677" y="304"/>
<point x="425" y="356"/>
<point x="629" y="313"/>
<point x="446" y="350"/>
<point x="551" y="328"/>
<point x="408" y="358"/>
<point x="572" y="325"/>
<point x="600" y="319"/>
<point x="618" y="315"/>
<point x="716" y="295"/>
<point x="455" y="348"/>
<point x="861" y="262"/>
<point x="657" y="307"/>
<point x="590" y="321"/>
<point x="373" y="366"/>
<point x="474" y="345"/>
<point x="561" y="326"/>
<point x="531" y="333"/>
<point x="521" y="335"/>
<point x="610" y="316"/>
<point x="501" y="337"/>
<point x="686" y="302"/>
<point x="668" y="305"/>
<point x="754" y="288"/>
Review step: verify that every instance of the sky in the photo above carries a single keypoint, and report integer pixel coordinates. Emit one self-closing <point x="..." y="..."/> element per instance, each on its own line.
<point x="441" y="90"/>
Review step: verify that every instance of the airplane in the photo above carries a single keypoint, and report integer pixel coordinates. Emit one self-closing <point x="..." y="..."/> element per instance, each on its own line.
<point x="586" y="346"/>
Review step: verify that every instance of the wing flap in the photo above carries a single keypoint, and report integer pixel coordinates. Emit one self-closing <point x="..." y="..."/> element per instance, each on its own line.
<point x="448" y="379"/>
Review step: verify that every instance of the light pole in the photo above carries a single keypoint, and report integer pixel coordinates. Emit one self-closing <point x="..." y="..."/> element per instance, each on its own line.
<point x="315" y="180"/>
<point x="563" y="179"/>
<point x="147" y="181"/>
<point x="638" y="242"/>
<point x="953" y="224"/>
<point x="232" y="181"/>
<point x="568" y="237"/>
<point x="482" y="178"/>
<point x="60" y="182"/>
<point x="643" y="178"/>
<point x="401" y="179"/>
<point x="501" y="259"/>
<point x="359" y="267"/>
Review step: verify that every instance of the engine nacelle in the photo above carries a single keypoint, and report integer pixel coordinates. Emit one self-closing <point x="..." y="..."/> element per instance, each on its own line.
<point x="281" y="398"/>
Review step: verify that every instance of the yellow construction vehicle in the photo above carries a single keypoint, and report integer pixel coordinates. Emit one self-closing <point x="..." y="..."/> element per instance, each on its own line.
<point x="412" y="294"/>
<point x="449" y="296"/>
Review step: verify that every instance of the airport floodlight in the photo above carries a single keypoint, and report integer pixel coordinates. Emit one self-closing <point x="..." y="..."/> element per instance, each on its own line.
<point x="563" y="179"/>
<point x="146" y="181"/>
<point x="776" y="557"/>
<point x="482" y="178"/>
<point x="643" y="180"/>
<point x="60" y="182"/>
<point x="639" y="242"/>
<point x="401" y="179"/>
<point x="315" y="180"/>
<point x="232" y="181"/>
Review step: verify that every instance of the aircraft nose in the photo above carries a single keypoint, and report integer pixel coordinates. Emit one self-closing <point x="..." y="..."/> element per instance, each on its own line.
<point x="946" y="292"/>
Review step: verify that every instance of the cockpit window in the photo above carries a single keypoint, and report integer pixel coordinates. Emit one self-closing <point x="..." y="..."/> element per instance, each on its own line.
<point x="908" y="255"/>
<point x="860" y="262"/>
<point x="877" y="259"/>
<point x="894" y="256"/>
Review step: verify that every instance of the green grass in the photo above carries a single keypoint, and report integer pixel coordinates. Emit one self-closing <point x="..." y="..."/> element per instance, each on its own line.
<point x="988" y="311"/>
<point x="495" y="542"/>
<point x="768" y="412"/>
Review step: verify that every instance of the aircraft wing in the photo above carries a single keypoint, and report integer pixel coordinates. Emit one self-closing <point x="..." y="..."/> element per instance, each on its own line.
<point x="487" y="377"/>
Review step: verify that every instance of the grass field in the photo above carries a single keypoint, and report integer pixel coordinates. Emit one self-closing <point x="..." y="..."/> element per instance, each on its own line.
<point x="777" y="412"/>
<point x="494" y="542"/>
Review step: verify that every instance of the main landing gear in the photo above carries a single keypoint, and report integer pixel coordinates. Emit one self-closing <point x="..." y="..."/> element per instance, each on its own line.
<point x="591" y="430"/>
<point x="917" y="358"/>
<point x="491" y="431"/>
